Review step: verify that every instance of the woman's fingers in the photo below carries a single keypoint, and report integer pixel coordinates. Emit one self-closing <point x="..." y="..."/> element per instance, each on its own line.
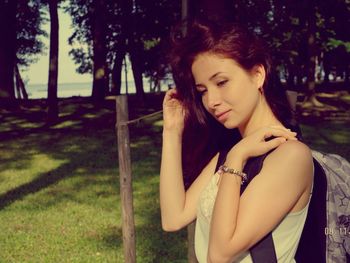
<point x="172" y="93"/>
<point x="262" y="141"/>
<point x="167" y="96"/>
<point x="279" y="132"/>
<point x="171" y="96"/>
<point x="274" y="143"/>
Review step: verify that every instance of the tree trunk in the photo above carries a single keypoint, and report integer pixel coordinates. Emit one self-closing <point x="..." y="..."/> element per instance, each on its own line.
<point x="117" y="69"/>
<point x="52" y="115"/>
<point x="21" y="90"/>
<point x="17" y="90"/>
<point x="7" y="49"/>
<point x="312" y="53"/>
<point x="326" y="68"/>
<point x="121" y="48"/>
<point x="100" y="78"/>
<point x="18" y="93"/>
<point x="137" y="72"/>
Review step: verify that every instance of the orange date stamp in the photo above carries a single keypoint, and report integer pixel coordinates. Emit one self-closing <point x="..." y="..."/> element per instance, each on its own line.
<point x="344" y="231"/>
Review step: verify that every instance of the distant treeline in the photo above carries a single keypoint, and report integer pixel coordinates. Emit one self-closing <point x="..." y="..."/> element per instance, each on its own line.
<point x="310" y="39"/>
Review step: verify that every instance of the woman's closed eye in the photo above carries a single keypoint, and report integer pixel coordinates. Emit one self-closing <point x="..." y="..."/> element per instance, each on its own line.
<point x="201" y="90"/>
<point x="221" y="83"/>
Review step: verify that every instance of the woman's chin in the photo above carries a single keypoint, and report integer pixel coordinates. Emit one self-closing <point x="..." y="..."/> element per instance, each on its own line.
<point x="229" y="124"/>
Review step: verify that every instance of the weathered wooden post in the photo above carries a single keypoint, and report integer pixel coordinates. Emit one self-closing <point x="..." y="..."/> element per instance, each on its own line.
<point x="125" y="178"/>
<point x="191" y="255"/>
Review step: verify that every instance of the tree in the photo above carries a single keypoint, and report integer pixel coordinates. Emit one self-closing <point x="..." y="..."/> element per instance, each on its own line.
<point x="133" y="28"/>
<point x="7" y="48"/>
<point x="20" y="88"/>
<point x="99" y="46"/>
<point x="52" y="113"/>
<point x="29" y="18"/>
<point x="90" y="22"/>
<point x="19" y="27"/>
<point x="119" y="49"/>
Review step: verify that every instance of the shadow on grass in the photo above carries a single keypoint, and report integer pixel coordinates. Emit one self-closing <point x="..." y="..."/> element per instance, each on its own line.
<point x="78" y="119"/>
<point x="29" y="188"/>
<point x="81" y="154"/>
<point x="87" y="150"/>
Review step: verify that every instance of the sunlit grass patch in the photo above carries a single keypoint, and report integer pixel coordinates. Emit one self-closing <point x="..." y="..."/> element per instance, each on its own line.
<point x="67" y="124"/>
<point x="37" y="165"/>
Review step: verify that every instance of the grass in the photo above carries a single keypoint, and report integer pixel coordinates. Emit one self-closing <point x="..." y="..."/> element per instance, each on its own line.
<point x="59" y="189"/>
<point x="59" y="185"/>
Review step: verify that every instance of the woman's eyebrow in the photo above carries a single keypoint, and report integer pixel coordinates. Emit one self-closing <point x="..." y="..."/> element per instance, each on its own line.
<point x="215" y="75"/>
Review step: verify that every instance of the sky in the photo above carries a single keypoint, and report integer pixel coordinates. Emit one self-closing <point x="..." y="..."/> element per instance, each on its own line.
<point x="38" y="72"/>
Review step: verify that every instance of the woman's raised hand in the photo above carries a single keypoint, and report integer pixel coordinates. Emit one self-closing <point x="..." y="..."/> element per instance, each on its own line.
<point x="173" y="112"/>
<point x="255" y="144"/>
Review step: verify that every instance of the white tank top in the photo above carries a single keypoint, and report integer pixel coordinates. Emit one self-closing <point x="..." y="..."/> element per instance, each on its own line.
<point x="286" y="235"/>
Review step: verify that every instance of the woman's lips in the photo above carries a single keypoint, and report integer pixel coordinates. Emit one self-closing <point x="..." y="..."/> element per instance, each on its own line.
<point x="222" y="116"/>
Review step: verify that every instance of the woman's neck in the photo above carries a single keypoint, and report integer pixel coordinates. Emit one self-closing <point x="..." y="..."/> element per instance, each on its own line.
<point x="262" y="116"/>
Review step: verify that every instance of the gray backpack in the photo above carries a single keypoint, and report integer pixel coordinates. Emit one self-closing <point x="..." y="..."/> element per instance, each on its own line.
<point x="337" y="230"/>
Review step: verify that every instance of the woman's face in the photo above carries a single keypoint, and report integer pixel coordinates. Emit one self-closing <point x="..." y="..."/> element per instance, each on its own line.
<point x="229" y="93"/>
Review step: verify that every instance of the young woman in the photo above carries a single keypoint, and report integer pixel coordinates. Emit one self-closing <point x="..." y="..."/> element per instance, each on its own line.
<point x="222" y="76"/>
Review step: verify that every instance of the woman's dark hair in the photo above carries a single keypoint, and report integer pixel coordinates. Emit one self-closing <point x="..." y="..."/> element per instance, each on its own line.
<point x="203" y="136"/>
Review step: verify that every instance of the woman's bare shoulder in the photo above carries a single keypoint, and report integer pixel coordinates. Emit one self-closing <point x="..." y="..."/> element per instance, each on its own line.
<point x="293" y="155"/>
<point x="293" y="148"/>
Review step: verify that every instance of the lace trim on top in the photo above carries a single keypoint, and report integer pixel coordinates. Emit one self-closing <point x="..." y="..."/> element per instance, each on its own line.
<point x="207" y="198"/>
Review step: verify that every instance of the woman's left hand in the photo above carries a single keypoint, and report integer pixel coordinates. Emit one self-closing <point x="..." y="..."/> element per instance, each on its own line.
<point x="255" y="144"/>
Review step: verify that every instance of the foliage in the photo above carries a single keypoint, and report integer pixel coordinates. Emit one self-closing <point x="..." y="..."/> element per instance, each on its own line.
<point x="30" y="17"/>
<point x="142" y="28"/>
<point x="287" y="27"/>
<point x="79" y="11"/>
<point x="148" y="23"/>
<point x="19" y="28"/>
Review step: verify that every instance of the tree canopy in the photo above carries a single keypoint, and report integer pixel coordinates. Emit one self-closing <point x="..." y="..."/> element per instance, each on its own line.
<point x="307" y="37"/>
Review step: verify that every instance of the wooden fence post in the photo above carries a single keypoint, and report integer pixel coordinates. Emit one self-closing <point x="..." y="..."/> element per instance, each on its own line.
<point x="125" y="178"/>
<point x="191" y="255"/>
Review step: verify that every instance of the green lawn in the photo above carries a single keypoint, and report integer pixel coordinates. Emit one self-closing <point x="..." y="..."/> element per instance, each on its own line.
<point x="59" y="189"/>
<point x="59" y="186"/>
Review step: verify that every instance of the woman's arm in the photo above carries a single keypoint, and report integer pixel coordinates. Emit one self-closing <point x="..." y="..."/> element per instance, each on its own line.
<point x="172" y="191"/>
<point x="240" y="222"/>
<point x="178" y="208"/>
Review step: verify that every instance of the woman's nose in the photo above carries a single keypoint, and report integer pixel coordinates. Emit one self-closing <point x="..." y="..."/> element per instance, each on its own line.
<point x="214" y="98"/>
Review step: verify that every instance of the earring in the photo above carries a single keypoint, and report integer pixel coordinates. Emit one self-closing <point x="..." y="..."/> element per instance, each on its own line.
<point x="260" y="90"/>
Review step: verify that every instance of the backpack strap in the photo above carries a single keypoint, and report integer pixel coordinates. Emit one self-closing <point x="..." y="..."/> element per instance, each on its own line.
<point x="312" y="245"/>
<point x="221" y="159"/>
<point x="264" y="250"/>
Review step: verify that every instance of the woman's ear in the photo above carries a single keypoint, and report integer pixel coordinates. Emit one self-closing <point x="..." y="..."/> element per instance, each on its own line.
<point x="259" y="75"/>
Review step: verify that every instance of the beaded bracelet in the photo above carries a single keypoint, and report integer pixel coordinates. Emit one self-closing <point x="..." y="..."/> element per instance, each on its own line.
<point x="225" y="169"/>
